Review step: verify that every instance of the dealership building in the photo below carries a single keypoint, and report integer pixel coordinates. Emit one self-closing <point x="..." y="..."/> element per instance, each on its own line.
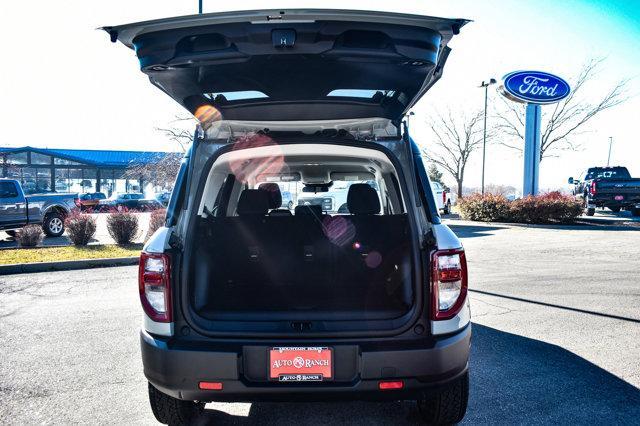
<point x="77" y="170"/>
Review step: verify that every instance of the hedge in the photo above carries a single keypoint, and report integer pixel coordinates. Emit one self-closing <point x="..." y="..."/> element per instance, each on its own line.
<point x="552" y="207"/>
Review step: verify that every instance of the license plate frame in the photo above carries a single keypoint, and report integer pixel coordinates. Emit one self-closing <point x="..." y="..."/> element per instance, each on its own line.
<point x="297" y="364"/>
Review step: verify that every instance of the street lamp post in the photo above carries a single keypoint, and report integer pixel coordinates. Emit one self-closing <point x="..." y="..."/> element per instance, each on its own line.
<point x="610" y="143"/>
<point x="486" y="85"/>
<point x="200" y="7"/>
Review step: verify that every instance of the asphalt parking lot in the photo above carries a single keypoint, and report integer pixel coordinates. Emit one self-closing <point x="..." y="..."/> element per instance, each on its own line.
<point x="556" y="339"/>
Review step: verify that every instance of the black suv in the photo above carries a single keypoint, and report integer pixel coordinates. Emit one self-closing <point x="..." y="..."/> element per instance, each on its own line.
<point x="247" y="300"/>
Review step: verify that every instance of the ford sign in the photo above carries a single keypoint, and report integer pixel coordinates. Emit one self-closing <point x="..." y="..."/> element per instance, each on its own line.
<point x="534" y="87"/>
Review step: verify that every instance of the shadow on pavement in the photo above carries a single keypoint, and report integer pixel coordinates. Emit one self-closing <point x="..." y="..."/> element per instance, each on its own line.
<point x="514" y="380"/>
<point x="472" y="231"/>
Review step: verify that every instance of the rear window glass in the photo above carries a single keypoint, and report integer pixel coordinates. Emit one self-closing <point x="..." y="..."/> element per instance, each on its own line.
<point x="236" y="96"/>
<point x="332" y="199"/>
<point x="617" y="173"/>
<point x="359" y="93"/>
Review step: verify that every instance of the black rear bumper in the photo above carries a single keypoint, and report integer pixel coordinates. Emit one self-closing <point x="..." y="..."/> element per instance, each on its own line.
<point x="177" y="371"/>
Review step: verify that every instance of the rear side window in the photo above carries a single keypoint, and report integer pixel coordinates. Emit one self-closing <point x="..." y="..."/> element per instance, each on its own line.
<point x="8" y="190"/>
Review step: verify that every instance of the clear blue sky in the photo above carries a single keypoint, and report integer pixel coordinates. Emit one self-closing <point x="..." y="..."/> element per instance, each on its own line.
<point x="67" y="86"/>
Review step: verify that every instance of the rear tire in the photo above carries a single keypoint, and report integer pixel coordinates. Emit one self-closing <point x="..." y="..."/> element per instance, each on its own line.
<point x="173" y="411"/>
<point x="448" y="406"/>
<point x="614" y="209"/>
<point x="53" y="224"/>
<point x="590" y="212"/>
<point x="11" y="233"/>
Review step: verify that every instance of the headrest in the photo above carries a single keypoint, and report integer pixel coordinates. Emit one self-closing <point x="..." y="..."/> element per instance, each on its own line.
<point x="363" y="199"/>
<point x="275" y="197"/>
<point x="253" y="202"/>
<point x="308" y="211"/>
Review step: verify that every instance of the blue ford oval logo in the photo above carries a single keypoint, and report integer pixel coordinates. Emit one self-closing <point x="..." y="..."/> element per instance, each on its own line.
<point x="534" y="87"/>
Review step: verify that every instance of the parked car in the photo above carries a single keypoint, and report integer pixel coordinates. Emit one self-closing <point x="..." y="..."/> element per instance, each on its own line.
<point x="163" y="198"/>
<point x="129" y="201"/>
<point x="611" y="187"/>
<point x="442" y="197"/>
<point x="18" y="210"/>
<point x="287" y="200"/>
<point x="244" y="301"/>
<point x="91" y="200"/>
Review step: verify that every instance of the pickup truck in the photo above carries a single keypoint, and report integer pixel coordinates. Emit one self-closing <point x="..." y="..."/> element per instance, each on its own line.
<point x="18" y="210"/>
<point x="611" y="187"/>
<point x="442" y="197"/>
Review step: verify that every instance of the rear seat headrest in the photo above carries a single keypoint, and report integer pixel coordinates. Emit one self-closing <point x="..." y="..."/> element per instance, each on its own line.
<point x="275" y="196"/>
<point x="253" y="202"/>
<point x="308" y="211"/>
<point x="363" y="199"/>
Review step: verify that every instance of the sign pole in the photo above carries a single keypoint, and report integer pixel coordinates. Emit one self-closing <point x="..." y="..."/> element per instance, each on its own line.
<point x="534" y="88"/>
<point x="531" y="150"/>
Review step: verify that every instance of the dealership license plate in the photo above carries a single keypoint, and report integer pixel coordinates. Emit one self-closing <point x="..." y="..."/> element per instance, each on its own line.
<point x="300" y="364"/>
<point x="619" y="197"/>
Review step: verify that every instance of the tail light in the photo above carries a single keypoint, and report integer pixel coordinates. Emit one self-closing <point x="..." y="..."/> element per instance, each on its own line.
<point x="154" y="278"/>
<point x="449" y="283"/>
<point x="592" y="188"/>
<point x="444" y="197"/>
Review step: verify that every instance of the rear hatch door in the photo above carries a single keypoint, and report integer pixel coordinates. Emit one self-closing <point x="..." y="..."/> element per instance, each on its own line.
<point x="283" y="65"/>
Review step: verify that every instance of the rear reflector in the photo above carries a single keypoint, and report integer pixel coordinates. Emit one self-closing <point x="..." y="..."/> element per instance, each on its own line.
<point x="399" y="384"/>
<point x="210" y="385"/>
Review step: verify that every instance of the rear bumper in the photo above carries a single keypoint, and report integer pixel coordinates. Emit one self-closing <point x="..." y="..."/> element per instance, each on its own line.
<point x="177" y="371"/>
<point x="610" y="201"/>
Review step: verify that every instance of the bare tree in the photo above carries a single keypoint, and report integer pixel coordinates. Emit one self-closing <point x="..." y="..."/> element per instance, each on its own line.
<point x="456" y="138"/>
<point x="562" y="120"/>
<point x="161" y="170"/>
<point x="180" y="135"/>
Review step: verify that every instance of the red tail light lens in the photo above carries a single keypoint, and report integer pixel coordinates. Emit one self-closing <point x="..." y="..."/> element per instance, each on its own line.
<point x="448" y="283"/>
<point x="444" y="198"/>
<point x="592" y="188"/>
<point x="154" y="278"/>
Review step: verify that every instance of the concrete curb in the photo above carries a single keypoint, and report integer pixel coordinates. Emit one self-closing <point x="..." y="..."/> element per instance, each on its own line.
<point x="67" y="265"/>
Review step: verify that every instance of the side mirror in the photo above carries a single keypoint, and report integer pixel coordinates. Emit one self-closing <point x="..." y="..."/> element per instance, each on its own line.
<point x="571" y="181"/>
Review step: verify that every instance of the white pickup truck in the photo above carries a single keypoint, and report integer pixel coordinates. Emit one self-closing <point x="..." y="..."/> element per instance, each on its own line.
<point x="442" y="196"/>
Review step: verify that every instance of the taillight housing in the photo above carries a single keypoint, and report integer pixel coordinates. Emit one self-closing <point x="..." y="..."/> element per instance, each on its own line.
<point x="154" y="284"/>
<point x="448" y="283"/>
<point x="592" y="188"/>
<point x="444" y="197"/>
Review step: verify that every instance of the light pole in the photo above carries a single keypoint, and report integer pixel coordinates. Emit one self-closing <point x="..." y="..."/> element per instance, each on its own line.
<point x="486" y="85"/>
<point x="200" y="7"/>
<point x="610" y="143"/>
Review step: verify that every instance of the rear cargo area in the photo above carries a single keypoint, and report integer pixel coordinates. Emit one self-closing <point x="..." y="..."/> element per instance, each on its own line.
<point x="308" y="266"/>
